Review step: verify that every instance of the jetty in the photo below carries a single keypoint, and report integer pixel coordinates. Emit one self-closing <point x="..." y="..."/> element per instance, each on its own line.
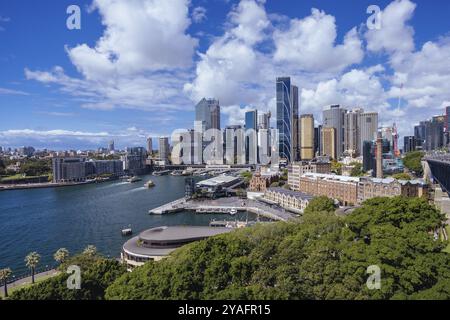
<point x="225" y="205"/>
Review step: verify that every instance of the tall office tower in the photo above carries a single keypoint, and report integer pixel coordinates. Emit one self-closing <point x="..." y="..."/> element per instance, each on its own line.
<point x="318" y="141"/>
<point x="287" y="119"/>
<point x="251" y="120"/>
<point x="264" y="120"/>
<point x="149" y="146"/>
<point x="447" y="119"/>
<point x="207" y="115"/>
<point x="164" y="148"/>
<point x="333" y="117"/>
<point x="434" y="133"/>
<point x="352" y="141"/>
<point x="368" y="124"/>
<point x="329" y="142"/>
<point x="111" y="146"/>
<point x="295" y="134"/>
<point x="307" y="137"/>
<point x="379" y="156"/>
<point x="388" y="134"/>
<point x="367" y="155"/>
<point x="409" y="144"/>
<point x="420" y="134"/>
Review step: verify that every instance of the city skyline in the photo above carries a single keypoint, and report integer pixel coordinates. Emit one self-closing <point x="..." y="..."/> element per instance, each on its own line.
<point x="53" y="99"/>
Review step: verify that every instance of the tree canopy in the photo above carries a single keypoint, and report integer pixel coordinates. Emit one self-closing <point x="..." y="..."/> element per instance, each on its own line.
<point x="412" y="161"/>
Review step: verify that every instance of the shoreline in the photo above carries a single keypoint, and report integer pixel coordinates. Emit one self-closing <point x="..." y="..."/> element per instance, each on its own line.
<point x="48" y="185"/>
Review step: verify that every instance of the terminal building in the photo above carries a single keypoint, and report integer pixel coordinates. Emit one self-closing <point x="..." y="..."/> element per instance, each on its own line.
<point x="157" y="243"/>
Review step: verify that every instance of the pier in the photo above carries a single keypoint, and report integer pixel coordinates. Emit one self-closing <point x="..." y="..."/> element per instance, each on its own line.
<point x="225" y="205"/>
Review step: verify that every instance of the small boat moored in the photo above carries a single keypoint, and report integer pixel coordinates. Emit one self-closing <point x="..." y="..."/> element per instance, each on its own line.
<point x="150" y="184"/>
<point x="127" y="232"/>
<point x="233" y="212"/>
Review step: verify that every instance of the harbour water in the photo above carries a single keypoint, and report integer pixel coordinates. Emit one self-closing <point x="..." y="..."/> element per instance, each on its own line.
<point x="45" y="220"/>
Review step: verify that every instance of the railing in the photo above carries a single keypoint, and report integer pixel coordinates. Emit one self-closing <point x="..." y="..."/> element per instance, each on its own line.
<point x="15" y="278"/>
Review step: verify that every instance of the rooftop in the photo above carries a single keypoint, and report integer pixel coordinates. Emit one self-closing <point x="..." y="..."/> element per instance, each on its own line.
<point x="175" y="233"/>
<point x="291" y="193"/>
<point x="217" y="181"/>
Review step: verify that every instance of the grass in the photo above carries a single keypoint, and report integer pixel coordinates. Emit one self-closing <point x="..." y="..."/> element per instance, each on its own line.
<point x="27" y="284"/>
<point x="19" y="177"/>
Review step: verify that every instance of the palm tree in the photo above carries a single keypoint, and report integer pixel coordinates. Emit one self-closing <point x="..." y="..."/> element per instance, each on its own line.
<point x="61" y="255"/>
<point x="90" y="251"/>
<point x="32" y="260"/>
<point x="4" y="275"/>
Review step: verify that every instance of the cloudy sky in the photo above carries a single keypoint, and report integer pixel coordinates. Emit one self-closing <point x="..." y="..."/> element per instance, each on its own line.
<point x="137" y="67"/>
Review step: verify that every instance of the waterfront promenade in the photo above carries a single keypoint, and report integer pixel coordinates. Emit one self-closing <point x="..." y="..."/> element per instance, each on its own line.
<point x="225" y="205"/>
<point x="24" y="282"/>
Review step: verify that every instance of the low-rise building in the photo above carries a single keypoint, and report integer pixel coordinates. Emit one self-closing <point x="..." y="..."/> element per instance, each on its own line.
<point x="344" y="189"/>
<point x="355" y="190"/>
<point x="157" y="243"/>
<point x="390" y="187"/>
<point x="297" y="169"/>
<point x="288" y="199"/>
<point x="261" y="181"/>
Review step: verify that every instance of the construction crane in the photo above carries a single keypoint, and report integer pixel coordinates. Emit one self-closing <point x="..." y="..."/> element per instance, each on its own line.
<point x="394" y="126"/>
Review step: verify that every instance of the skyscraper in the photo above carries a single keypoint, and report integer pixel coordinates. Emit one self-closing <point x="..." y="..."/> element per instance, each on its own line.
<point x="318" y="140"/>
<point x="251" y="120"/>
<point x="111" y="146"/>
<point x="149" y="146"/>
<point x="368" y="127"/>
<point x="447" y="119"/>
<point x="420" y="134"/>
<point x="207" y="115"/>
<point x="434" y="133"/>
<point x="333" y="117"/>
<point x="307" y="136"/>
<point x="352" y="141"/>
<point x="409" y="144"/>
<point x="329" y="142"/>
<point x="287" y="118"/>
<point x="164" y="148"/>
<point x="264" y="120"/>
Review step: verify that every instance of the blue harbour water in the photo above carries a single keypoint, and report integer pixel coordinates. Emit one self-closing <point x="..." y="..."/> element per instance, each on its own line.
<point x="45" y="220"/>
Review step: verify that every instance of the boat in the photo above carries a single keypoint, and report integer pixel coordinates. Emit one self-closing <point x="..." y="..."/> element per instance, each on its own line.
<point x="134" y="179"/>
<point x="150" y="184"/>
<point x="127" y="232"/>
<point x="233" y="212"/>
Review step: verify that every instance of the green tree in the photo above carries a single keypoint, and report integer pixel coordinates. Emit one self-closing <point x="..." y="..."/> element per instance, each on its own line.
<point x="4" y="276"/>
<point x="90" y="251"/>
<point x="357" y="169"/>
<point x="412" y="161"/>
<point x="401" y="176"/>
<point x="97" y="274"/>
<point x="32" y="260"/>
<point x="319" y="204"/>
<point x="61" y="255"/>
<point x="247" y="176"/>
<point x="336" y="167"/>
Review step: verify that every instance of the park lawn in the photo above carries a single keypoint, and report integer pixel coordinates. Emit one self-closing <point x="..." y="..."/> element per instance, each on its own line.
<point x="19" y="177"/>
<point x="28" y="284"/>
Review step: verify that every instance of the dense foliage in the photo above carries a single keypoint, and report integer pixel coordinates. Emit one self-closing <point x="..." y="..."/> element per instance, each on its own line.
<point x="401" y="176"/>
<point x="97" y="273"/>
<point x="412" y="161"/>
<point x="323" y="257"/>
<point x="357" y="169"/>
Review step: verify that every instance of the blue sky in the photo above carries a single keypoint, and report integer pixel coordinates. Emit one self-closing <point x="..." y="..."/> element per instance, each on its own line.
<point x="137" y="68"/>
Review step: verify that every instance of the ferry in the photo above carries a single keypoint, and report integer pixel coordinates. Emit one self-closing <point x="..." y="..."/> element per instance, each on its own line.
<point x="150" y="184"/>
<point x="134" y="179"/>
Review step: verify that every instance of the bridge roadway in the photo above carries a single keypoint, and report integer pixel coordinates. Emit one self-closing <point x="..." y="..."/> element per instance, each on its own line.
<point x="440" y="170"/>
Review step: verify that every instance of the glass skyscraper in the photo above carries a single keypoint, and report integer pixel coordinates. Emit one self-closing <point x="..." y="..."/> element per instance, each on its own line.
<point x="287" y="119"/>
<point x="251" y="120"/>
<point x="207" y="114"/>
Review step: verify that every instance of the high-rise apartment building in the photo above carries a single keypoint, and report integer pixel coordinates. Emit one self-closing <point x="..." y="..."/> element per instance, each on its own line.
<point x="333" y="117"/>
<point x="287" y="118"/>
<point x="306" y="136"/>
<point x="329" y="142"/>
